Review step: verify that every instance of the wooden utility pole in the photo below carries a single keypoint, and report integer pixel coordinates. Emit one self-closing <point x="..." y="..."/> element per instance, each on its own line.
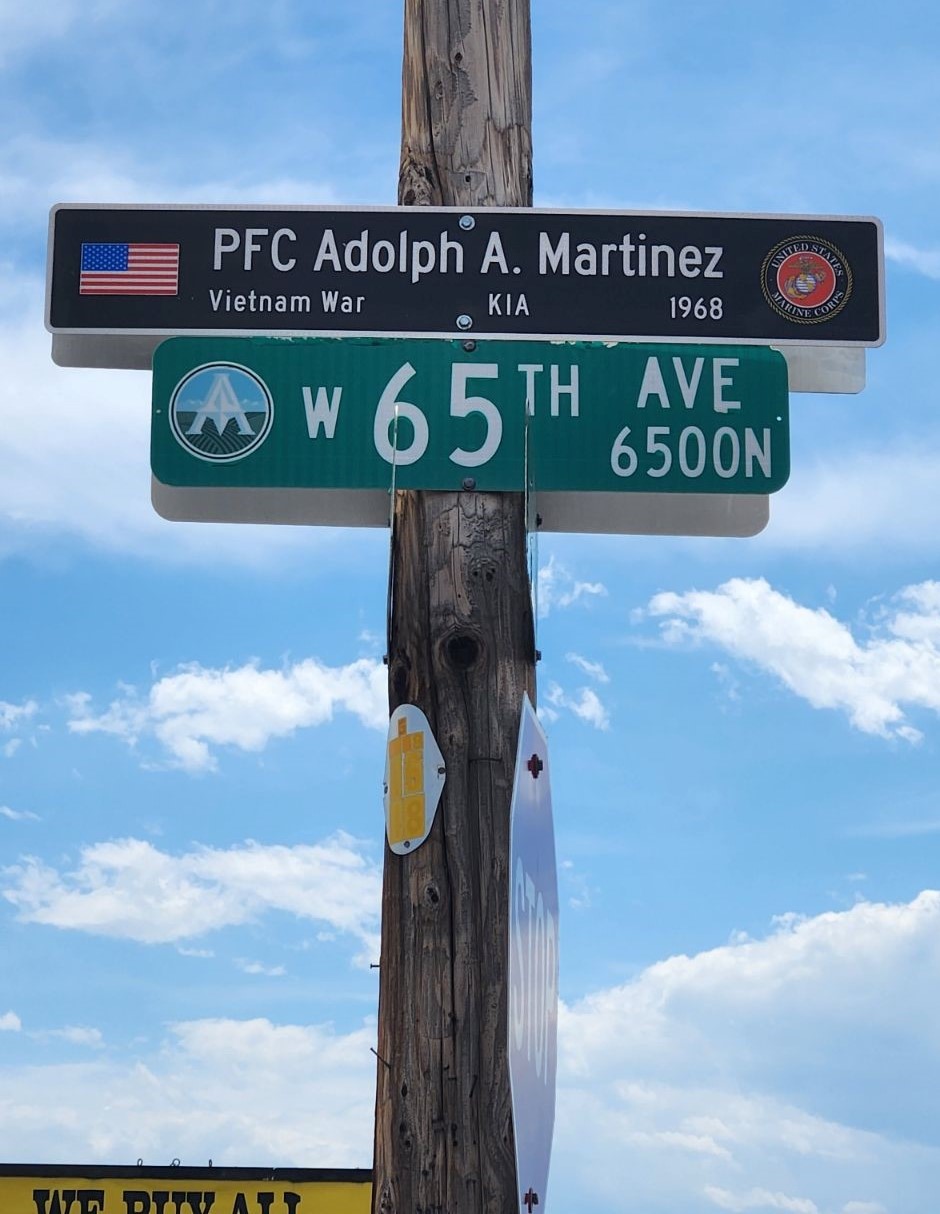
<point x="461" y="648"/>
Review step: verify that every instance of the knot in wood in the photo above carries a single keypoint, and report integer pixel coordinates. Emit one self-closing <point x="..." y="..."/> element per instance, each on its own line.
<point x="463" y="651"/>
<point x="401" y="681"/>
<point x="484" y="571"/>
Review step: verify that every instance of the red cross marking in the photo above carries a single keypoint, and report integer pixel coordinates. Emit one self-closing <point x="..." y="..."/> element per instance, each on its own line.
<point x="531" y="1199"/>
<point x="535" y="765"/>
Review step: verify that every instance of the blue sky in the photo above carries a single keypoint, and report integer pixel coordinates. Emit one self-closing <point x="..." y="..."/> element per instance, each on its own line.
<point x="744" y="733"/>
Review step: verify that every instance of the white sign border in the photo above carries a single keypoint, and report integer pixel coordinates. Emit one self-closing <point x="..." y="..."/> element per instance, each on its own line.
<point x="453" y="333"/>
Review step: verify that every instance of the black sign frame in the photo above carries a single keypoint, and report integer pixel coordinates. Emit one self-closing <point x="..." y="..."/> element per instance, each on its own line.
<point x="494" y="272"/>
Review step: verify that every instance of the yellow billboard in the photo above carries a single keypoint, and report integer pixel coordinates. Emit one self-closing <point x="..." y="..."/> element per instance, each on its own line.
<point x="178" y="1190"/>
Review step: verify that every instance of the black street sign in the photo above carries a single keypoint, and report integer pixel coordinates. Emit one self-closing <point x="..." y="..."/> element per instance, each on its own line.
<point x="139" y="273"/>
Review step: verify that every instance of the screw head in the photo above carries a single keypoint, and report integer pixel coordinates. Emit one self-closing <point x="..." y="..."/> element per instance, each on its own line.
<point x="464" y="321"/>
<point x="535" y="765"/>
<point x="469" y="483"/>
<point x="469" y="346"/>
<point x="467" y="222"/>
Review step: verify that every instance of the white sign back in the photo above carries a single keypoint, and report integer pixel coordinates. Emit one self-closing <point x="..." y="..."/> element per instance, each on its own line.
<point x="533" y="964"/>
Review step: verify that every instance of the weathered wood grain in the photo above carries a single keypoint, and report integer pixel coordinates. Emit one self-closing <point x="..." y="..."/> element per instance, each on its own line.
<point x="461" y="647"/>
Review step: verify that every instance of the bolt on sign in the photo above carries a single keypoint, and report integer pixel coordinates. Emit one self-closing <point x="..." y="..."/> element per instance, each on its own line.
<point x="414" y="779"/>
<point x="122" y="277"/>
<point x="35" y="1189"/>
<point x="551" y="417"/>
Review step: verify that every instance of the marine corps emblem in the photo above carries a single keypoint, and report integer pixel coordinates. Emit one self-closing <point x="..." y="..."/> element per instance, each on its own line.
<point x="806" y="279"/>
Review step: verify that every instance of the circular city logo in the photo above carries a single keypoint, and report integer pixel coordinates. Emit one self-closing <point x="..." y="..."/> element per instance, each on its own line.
<point x="806" y="279"/>
<point x="221" y="412"/>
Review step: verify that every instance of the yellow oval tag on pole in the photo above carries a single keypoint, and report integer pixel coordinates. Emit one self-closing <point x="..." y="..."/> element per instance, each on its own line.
<point x="414" y="778"/>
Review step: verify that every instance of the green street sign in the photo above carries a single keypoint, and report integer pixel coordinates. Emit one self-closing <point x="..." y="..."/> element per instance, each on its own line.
<point x="370" y="413"/>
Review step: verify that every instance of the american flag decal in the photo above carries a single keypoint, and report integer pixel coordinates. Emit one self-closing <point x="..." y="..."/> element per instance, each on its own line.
<point x="129" y="269"/>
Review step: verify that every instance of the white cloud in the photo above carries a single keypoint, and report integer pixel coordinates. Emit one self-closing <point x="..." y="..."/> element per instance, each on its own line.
<point x="576" y="886"/>
<point x="75" y="458"/>
<point x="10" y="1023"/>
<point x="256" y="967"/>
<point x="814" y="654"/>
<point x="129" y="890"/>
<point x="594" y="669"/>
<point x="897" y="829"/>
<point x="40" y="171"/>
<point x="922" y="622"/>
<point x="727" y="680"/>
<point x="557" y="588"/>
<point x="229" y="1090"/>
<point x="759" y="1070"/>
<point x="197" y="708"/>
<point x="815" y="971"/>
<point x="74" y="1035"/>
<point x="669" y="1086"/>
<point x="18" y="815"/>
<point x="13" y="714"/>
<point x="24" y="25"/>
<point x="861" y="501"/>
<point x="586" y="705"/>
<point x="924" y="261"/>
<point x="759" y="1199"/>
